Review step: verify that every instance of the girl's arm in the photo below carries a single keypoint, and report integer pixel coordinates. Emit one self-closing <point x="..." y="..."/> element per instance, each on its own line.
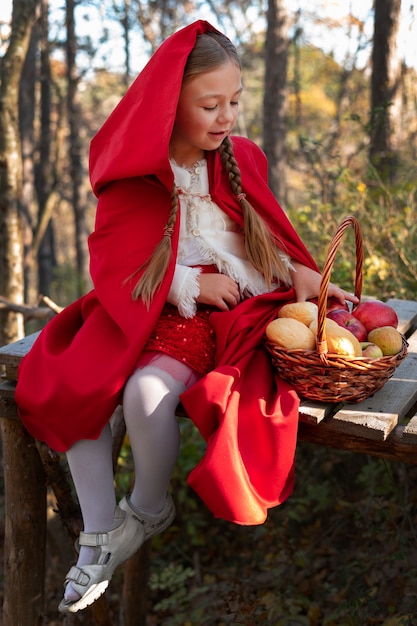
<point x="306" y="283"/>
<point x="191" y="286"/>
<point x="218" y="290"/>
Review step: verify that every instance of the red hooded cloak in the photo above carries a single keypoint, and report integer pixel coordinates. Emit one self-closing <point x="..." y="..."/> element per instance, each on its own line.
<point x="72" y="379"/>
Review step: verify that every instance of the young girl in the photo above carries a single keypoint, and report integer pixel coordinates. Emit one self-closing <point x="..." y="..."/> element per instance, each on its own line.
<point x="191" y="258"/>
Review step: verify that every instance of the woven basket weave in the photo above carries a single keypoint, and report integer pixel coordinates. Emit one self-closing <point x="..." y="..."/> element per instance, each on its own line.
<point x="319" y="375"/>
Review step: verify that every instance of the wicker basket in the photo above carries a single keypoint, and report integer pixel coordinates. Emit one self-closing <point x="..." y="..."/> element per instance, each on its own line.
<point x="319" y="375"/>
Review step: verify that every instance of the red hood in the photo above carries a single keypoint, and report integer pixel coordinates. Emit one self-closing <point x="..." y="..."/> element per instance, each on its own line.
<point x="134" y="140"/>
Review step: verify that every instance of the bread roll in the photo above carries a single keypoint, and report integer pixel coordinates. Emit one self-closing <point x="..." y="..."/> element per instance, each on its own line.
<point x="339" y="339"/>
<point x="304" y="312"/>
<point x="290" y="334"/>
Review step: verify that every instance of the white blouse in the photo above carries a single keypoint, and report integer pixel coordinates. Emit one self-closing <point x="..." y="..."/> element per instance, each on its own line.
<point x="208" y="236"/>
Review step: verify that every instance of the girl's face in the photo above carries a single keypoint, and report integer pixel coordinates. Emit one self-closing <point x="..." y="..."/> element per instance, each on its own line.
<point x="206" y="113"/>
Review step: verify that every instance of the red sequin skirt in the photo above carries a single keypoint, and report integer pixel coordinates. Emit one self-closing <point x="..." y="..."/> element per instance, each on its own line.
<point x="190" y="341"/>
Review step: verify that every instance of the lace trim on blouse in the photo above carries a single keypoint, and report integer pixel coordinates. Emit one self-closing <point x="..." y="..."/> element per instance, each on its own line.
<point x="209" y="236"/>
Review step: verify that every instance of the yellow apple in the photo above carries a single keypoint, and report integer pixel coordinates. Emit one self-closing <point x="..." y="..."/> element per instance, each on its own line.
<point x="389" y="339"/>
<point x="371" y="350"/>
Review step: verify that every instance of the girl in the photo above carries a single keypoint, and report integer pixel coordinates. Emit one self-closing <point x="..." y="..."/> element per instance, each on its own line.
<point x="191" y="258"/>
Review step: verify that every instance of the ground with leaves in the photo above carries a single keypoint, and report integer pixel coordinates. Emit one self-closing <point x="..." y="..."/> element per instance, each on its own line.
<point x="342" y="551"/>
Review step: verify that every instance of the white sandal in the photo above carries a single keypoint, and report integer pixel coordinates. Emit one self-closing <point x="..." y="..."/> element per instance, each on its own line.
<point x="152" y="524"/>
<point x="113" y="548"/>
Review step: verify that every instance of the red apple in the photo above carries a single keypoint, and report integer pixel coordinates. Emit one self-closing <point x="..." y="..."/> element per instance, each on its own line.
<point x="371" y="350"/>
<point x="334" y="305"/>
<point x="374" y="313"/>
<point x="346" y="319"/>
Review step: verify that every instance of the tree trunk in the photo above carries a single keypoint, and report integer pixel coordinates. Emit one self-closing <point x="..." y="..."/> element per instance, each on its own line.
<point x="44" y="237"/>
<point x="385" y="87"/>
<point x="79" y="198"/>
<point x="11" y="240"/>
<point x="24" y="560"/>
<point x="275" y="95"/>
<point x="296" y="39"/>
<point x="125" y="23"/>
<point x="28" y="203"/>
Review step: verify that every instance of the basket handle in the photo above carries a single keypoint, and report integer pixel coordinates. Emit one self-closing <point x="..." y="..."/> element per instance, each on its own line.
<point x="325" y="279"/>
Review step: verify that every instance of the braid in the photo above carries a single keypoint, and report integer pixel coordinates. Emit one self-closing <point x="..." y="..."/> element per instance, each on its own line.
<point x="157" y="264"/>
<point x="262" y="247"/>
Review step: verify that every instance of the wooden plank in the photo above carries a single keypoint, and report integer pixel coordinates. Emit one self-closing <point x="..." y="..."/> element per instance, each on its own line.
<point x="311" y="412"/>
<point x="11" y="354"/>
<point x="8" y="406"/>
<point x="410" y="430"/>
<point x="407" y="314"/>
<point x="394" y="448"/>
<point x="7" y="389"/>
<point x="376" y="426"/>
<point x="375" y="417"/>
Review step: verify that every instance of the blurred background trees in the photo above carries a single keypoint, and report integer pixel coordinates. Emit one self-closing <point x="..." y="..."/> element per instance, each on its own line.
<point x="11" y="171"/>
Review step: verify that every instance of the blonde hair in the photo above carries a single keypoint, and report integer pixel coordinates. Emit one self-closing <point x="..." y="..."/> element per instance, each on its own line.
<point x="264" y="250"/>
<point x="210" y="51"/>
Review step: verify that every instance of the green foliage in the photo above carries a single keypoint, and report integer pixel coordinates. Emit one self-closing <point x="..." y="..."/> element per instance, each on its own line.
<point x="389" y="230"/>
<point x="192" y="451"/>
<point x="125" y="470"/>
<point x="330" y="177"/>
<point x="172" y="581"/>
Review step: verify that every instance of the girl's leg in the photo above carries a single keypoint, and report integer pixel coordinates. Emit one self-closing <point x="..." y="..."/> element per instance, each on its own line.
<point x="90" y="463"/>
<point x="150" y="400"/>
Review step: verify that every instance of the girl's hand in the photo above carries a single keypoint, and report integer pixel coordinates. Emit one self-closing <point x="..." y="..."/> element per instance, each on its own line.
<point x="218" y="290"/>
<point x="306" y="283"/>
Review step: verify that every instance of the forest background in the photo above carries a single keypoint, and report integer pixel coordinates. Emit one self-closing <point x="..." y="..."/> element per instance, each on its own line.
<point x="336" y="116"/>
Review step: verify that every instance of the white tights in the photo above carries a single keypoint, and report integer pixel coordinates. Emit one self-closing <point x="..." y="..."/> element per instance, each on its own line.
<point x="150" y="399"/>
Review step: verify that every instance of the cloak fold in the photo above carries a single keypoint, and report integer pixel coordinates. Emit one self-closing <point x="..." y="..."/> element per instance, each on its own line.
<point x="248" y="417"/>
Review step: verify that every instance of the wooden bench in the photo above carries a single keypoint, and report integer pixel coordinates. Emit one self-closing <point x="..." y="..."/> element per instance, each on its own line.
<point x="384" y="425"/>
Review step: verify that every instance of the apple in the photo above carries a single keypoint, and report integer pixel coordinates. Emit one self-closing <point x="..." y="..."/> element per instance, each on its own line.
<point x="371" y="350"/>
<point x="345" y="319"/>
<point x="374" y="313"/>
<point x="332" y="303"/>
<point x="389" y="339"/>
<point x="335" y="304"/>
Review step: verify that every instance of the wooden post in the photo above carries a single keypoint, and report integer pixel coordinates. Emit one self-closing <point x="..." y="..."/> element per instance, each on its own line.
<point x="25" y="527"/>
<point x="133" y="607"/>
<point x="135" y="587"/>
<point x="58" y="478"/>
